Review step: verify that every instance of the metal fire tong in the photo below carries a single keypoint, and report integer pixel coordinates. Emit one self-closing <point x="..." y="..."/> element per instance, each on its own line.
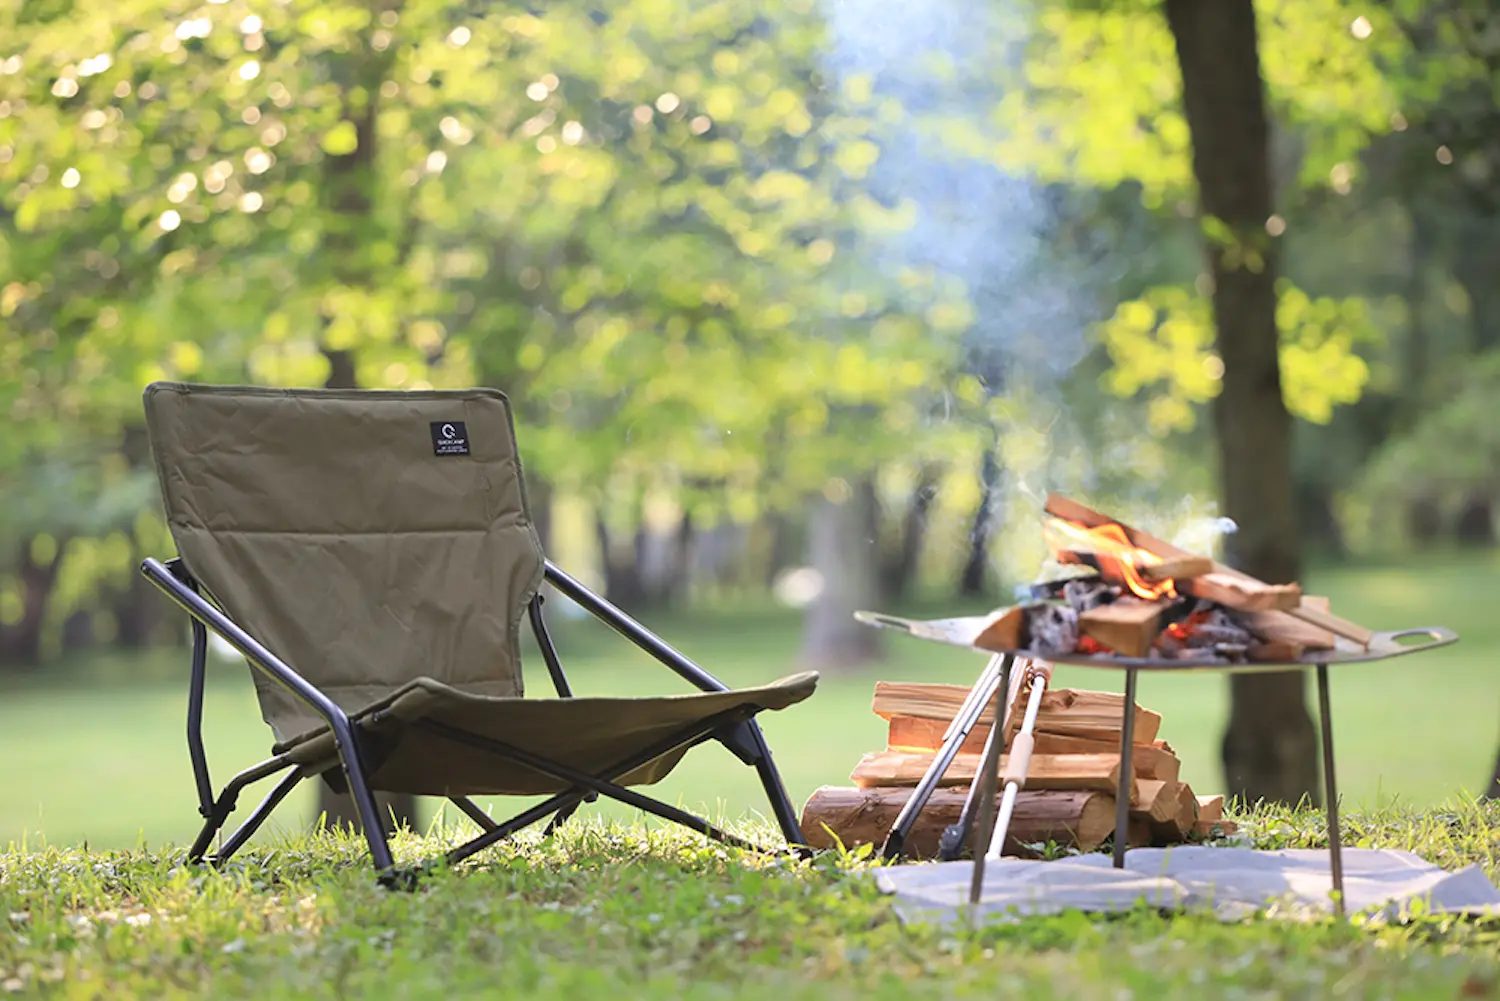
<point x="993" y="680"/>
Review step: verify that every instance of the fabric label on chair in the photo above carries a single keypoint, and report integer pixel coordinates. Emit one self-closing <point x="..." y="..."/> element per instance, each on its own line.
<point x="449" y="438"/>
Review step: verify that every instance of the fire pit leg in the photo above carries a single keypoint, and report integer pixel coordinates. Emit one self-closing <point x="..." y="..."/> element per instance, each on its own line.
<point x="1331" y="793"/>
<point x="1127" y="772"/>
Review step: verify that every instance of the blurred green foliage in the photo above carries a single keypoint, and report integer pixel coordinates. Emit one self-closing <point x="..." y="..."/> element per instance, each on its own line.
<point x="656" y="225"/>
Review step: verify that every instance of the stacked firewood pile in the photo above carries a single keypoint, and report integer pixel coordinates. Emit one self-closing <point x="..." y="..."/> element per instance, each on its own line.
<point x="1069" y="797"/>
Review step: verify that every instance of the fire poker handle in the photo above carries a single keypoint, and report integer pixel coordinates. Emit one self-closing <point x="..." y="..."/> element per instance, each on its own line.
<point x="1018" y="760"/>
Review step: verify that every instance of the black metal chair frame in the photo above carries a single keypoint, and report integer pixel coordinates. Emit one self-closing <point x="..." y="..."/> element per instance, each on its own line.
<point x="736" y="730"/>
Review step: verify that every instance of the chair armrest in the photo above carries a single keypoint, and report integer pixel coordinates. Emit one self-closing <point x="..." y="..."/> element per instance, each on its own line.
<point x="617" y="619"/>
<point x="260" y="658"/>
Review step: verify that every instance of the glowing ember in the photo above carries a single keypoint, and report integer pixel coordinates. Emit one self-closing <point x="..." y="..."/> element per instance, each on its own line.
<point x="1089" y="645"/>
<point x="1117" y="556"/>
<point x="1184" y="629"/>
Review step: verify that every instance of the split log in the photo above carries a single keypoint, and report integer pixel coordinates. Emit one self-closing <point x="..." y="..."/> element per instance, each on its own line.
<point x="1127" y="626"/>
<point x="1284" y="637"/>
<point x="864" y="816"/>
<point x="1314" y="611"/>
<point x="1220" y="828"/>
<point x="1177" y="568"/>
<point x="919" y="733"/>
<point x="924" y="700"/>
<point x="1077" y="712"/>
<point x="1180" y="825"/>
<point x="1155" y="801"/>
<point x="1211" y="822"/>
<point x="1243" y="594"/>
<point x="1149" y="761"/>
<point x="1100" y="772"/>
<point x="1005" y="630"/>
<point x="1066" y="711"/>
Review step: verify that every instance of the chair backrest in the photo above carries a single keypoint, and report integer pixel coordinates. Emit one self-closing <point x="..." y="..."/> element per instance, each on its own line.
<point x="366" y="538"/>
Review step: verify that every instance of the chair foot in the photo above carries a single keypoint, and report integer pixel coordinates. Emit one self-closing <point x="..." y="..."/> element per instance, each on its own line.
<point x="400" y="880"/>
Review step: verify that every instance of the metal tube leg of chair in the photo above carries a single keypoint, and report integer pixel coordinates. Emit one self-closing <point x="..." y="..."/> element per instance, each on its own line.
<point x="364" y="798"/>
<point x="211" y="826"/>
<point x="781" y="803"/>
<point x="1127" y="773"/>
<point x="252" y="823"/>
<point x="1331" y="793"/>
<point x="474" y="812"/>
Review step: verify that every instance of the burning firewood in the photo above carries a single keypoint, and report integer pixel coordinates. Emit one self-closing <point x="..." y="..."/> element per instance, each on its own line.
<point x="1224" y="585"/>
<point x="1148" y="600"/>
<point x="1127" y="626"/>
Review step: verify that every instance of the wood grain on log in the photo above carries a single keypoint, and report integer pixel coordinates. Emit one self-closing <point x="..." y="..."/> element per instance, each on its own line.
<point x="1127" y="626"/>
<point x="864" y="816"/>
<point x="1099" y="772"/>
<point x="1065" y="711"/>
<point x="1149" y="761"/>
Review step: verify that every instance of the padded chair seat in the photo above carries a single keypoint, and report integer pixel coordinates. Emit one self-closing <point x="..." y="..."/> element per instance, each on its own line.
<point x="586" y="734"/>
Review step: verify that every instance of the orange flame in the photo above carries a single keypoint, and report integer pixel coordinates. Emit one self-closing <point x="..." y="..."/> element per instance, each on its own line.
<point x="1118" y="558"/>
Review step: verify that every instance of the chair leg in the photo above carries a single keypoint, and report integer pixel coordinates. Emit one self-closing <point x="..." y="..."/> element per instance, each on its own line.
<point x="781" y="803"/>
<point x="560" y="818"/>
<point x="252" y="823"/>
<point x="360" y="792"/>
<point x="218" y="813"/>
<point x="521" y="820"/>
<point x="473" y="811"/>
<point x="584" y="781"/>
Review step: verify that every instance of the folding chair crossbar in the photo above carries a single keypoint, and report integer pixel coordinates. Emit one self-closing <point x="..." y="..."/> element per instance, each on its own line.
<point x="746" y="740"/>
<point x="601" y="784"/>
<point x="565" y="802"/>
<point x="472" y="810"/>
<point x="219" y="810"/>
<point x="252" y="823"/>
<point x="736" y="730"/>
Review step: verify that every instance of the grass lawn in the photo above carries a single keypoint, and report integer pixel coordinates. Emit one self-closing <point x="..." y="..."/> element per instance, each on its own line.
<point x="629" y="911"/>
<point x="95" y="752"/>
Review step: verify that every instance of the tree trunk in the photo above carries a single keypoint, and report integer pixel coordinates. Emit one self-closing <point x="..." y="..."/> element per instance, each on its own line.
<point x="137" y="610"/>
<point x="974" y="580"/>
<point x="1493" y="792"/>
<point x="1269" y="748"/>
<point x="1476" y="521"/>
<point x="784" y="547"/>
<point x="21" y="640"/>
<point x="902" y="569"/>
<point x="1414" y="385"/>
<point x="842" y="548"/>
<point x="622" y="575"/>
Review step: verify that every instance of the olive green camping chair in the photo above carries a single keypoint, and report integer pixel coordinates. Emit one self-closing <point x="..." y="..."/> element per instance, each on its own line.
<point x="371" y="555"/>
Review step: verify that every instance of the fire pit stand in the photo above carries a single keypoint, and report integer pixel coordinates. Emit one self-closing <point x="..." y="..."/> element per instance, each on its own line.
<point x="964" y="632"/>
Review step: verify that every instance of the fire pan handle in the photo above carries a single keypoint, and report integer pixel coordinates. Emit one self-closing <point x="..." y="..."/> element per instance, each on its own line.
<point x="1433" y="635"/>
<point x="884" y="621"/>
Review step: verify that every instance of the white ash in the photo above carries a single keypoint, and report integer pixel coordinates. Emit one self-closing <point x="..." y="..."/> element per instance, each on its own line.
<point x="1086" y="593"/>
<point x="1054" y="629"/>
